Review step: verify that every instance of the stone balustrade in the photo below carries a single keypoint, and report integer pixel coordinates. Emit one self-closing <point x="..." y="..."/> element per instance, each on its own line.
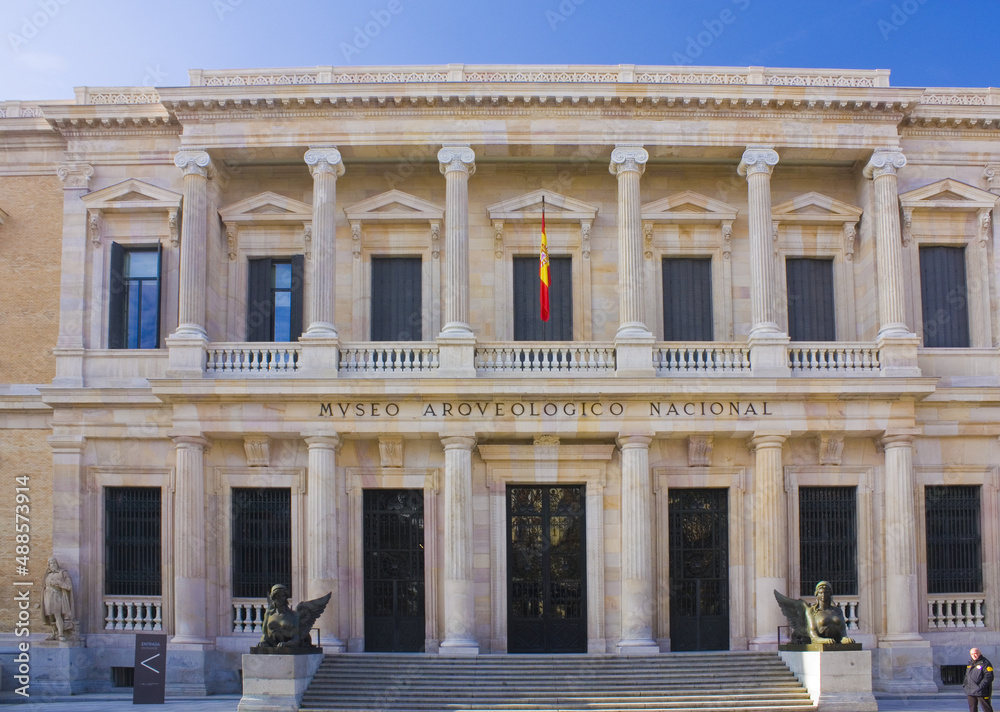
<point x="547" y="357"/>
<point x="144" y="614"/>
<point x="700" y="359"/>
<point x="248" y="615"/>
<point x="956" y="611"/>
<point x="385" y="358"/>
<point x="832" y="359"/>
<point x="252" y="359"/>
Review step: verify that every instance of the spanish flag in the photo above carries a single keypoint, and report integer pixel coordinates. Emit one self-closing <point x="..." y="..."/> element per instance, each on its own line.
<point x="543" y="269"/>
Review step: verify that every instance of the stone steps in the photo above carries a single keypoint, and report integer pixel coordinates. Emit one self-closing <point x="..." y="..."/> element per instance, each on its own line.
<point x="707" y="682"/>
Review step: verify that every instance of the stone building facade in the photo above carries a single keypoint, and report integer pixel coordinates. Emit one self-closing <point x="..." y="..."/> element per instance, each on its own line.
<point x="294" y="335"/>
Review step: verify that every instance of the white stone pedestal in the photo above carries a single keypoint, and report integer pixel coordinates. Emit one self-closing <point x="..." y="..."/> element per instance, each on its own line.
<point x="276" y="683"/>
<point x="839" y="680"/>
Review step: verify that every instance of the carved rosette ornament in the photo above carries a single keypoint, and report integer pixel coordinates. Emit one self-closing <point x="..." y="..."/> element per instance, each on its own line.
<point x="498" y="239"/>
<point x="75" y="175"/>
<point x="193" y="163"/>
<point x="757" y="160"/>
<point x="628" y="158"/>
<point x="324" y="160"/>
<point x="356" y="240"/>
<point x="884" y="162"/>
<point x="457" y="158"/>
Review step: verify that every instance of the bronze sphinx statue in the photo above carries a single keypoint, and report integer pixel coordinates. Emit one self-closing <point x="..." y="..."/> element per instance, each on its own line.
<point x="286" y="630"/>
<point x="822" y="622"/>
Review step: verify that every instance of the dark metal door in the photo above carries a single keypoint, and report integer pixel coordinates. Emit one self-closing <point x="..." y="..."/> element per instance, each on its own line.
<point x="699" y="569"/>
<point x="546" y="569"/>
<point x="394" y="571"/>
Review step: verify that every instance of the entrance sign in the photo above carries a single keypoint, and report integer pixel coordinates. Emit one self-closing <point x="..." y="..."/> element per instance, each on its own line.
<point x="150" y="669"/>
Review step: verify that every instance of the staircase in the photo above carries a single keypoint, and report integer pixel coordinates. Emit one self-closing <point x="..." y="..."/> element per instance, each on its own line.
<point x="707" y="682"/>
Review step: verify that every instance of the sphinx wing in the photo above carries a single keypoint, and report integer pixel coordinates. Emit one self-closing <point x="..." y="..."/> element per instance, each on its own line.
<point x="795" y="611"/>
<point x="309" y="611"/>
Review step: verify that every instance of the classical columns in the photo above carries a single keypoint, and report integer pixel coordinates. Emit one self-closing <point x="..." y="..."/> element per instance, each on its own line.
<point x="459" y="600"/>
<point x="756" y="165"/>
<point x="326" y="166"/>
<point x="628" y="164"/>
<point x="900" y="539"/>
<point x="190" y="563"/>
<point x="194" y="244"/>
<point x="770" y="536"/>
<point x="457" y="163"/>
<point x="881" y="169"/>
<point x="322" y="542"/>
<point x="636" y="549"/>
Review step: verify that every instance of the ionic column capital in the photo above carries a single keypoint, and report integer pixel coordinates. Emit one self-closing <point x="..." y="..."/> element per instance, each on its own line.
<point x="75" y="175"/>
<point x="457" y="158"/>
<point x="324" y="159"/>
<point x="193" y="162"/>
<point x="884" y="161"/>
<point x="757" y="159"/>
<point x="625" y="159"/>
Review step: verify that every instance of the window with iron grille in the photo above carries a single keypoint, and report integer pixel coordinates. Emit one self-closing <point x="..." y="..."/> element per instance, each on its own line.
<point x="954" y="539"/>
<point x="132" y="541"/>
<point x="262" y="540"/>
<point x="828" y="539"/>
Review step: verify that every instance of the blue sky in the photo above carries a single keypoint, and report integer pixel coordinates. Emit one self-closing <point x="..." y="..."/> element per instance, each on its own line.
<point x="50" y="46"/>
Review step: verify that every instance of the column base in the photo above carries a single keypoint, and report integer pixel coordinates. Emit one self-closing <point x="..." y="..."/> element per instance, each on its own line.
<point x="904" y="665"/>
<point x="634" y="354"/>
<point x="186" y="355"/>
<point x="769" y="354"/>
<point x="320" y="356"/>
<point x="637" y="647"/>
<point x="898" y="355"/>
<point x="457" y="648"/>
<point x="456" y="354"/>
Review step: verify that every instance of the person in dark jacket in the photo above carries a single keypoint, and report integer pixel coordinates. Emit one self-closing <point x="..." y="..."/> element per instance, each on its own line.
<point x="979" y="682"/>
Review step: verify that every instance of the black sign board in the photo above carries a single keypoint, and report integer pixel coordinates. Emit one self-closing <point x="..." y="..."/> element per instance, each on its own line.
<point x="150" y="669"/>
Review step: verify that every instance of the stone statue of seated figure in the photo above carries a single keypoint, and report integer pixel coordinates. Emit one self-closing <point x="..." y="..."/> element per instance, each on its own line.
<point x="822" y="622"/>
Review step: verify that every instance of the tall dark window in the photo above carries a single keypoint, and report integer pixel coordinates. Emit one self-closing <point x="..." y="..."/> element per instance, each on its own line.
<point x="943" y="295"/>
<point x="262" y="540"/>
<point x="396" y="299"/>
<point x="132" y="541"/>
<point x="687" y="299"/>
<point x="528" y="324"/>
<point x="274" y="299"/>
<point x="954" y="539"/>
<point x="134" y="306"/>
<point x="810" y="299"/>
<point x="828" y="539"/>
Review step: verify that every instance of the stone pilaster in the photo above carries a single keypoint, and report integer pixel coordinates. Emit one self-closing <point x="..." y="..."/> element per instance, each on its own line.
<point x="190" y="562"/>
<point x="459" y="597"/>
<point x="756" y="165"/>
<point x="904" y="658"/>
<point x="633" y="340"/>
<point x="326" y="166"/>
<point x="187" y="345"/>
<point x="770" y="537"/>
<point x="457" y="163"/>
<point x="637" y="550"/>
<point x="67" y="517"/>
<point x="75" y="178"/>
<point x="322" y="543"/>
<point x="881" y="169"/>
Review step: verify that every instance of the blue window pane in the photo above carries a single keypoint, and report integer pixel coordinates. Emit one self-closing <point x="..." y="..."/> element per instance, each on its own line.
<point x="282" y="316"/>
<point x="143" y="264"/>
<point x="132" y="328"/>
<point x="283" y="276"/>
<point x="150" y="314"/>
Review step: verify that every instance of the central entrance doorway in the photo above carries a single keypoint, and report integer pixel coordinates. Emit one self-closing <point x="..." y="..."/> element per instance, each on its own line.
<point x="546" y="569"/>
<point x="698" y="521"/>
<point x="394" y="571"/>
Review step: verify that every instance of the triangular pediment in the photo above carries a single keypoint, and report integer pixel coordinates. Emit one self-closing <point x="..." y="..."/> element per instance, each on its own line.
<point x="394" y="206"/>
<point x="267" y="207"/>
<point x="815" y="208"/>
<point x="132" y="195"/>
<point x="688" y="206"/>
<point x="528" y="207"/>
<point x="948" y="194"/>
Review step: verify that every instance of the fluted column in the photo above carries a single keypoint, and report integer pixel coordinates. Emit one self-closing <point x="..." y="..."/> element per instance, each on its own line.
<point x="459" y="597"/>
<point x="756" y="165"/>
<point x="770" y="537"/>
<point x="322" y="561"/>
<point x="900" y="539"/>
<point x="636" y="549"/>
<point x="457" y="163"/>
<point x="75" y="178"/>
<point x="194" y="244"/>
<point x="326" y="166"/>
<point x="881" y="169"/>
<point x="190" y="563"/>
<point x="628" y="164"/>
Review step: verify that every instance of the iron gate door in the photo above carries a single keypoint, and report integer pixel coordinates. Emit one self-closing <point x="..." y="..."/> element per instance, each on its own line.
<point x="546" y="569"/>
<point x="699" y="569"/>
<point x="394" y="571"/>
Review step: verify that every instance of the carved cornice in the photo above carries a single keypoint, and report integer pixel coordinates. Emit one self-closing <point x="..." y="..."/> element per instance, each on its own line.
<point x="884" y="162"/>
<point x="325" y="159"/>
<point x="628" y="159"/>
<point x="193" y="163"/>
<point x="75" y="175"/>
<point x="757" y="159"/>
<point x="457" y="158"/>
